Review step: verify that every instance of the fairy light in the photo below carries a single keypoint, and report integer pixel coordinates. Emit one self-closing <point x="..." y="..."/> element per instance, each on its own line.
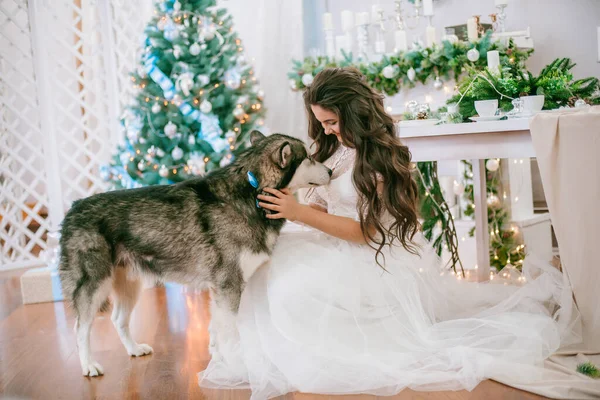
<point x="131" y="159"/>
<point x="138" y="151"/>
<point x="174" y="171"/>
<point x="206" y="159"/>
<point x="516" y="199"/>
<point x="155" y="166"/>
<point x="147" y="99"/>
<point x="216" y="85"/>
<point x="236" y="129"/>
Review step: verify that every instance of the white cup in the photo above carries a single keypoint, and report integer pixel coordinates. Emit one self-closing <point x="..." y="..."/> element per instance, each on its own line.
<point x="533" y="104"/>
<point x="486" y="108"/>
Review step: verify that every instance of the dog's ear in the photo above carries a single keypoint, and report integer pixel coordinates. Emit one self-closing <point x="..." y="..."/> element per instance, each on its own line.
<point x="283" y="155"/>
<point x="255" y="136"/>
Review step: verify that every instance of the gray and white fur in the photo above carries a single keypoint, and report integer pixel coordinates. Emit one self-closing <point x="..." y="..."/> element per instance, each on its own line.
<point x="203" y="232"/>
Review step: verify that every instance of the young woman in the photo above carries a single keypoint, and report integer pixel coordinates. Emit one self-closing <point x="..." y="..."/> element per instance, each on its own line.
<point x="357" y="304"/>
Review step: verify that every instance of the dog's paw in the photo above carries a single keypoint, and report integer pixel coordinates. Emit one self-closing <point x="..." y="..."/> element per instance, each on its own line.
<point x="92" y="369"/>
<point x="140" y="350"/>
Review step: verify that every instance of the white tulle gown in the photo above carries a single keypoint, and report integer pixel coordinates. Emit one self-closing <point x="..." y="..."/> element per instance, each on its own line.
<point x="323" y="317"/>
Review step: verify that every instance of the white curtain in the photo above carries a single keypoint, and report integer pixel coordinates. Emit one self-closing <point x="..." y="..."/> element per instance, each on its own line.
<point x="272" y="35"/>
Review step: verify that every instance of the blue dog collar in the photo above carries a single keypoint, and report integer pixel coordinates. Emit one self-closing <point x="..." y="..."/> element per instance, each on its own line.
<point x="254" y="183"/>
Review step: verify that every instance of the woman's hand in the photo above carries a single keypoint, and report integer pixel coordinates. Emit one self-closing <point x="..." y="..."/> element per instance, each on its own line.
<point x="282" y="203"/>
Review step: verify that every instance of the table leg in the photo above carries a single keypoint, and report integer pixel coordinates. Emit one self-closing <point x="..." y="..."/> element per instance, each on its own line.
<point x="482" y="234"/>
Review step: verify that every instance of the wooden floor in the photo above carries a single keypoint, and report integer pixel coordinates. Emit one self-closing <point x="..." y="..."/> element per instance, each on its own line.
<point x="38" y="358"/>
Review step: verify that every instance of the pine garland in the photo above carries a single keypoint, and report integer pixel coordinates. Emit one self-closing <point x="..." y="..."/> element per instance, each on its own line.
<point x="448" y="60"/>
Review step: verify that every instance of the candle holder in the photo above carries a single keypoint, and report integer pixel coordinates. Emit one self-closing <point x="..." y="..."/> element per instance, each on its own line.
<point x="501" y="17"/>
<point x="494" y="19"/>
<point x="329" y="43"/>
<point x="402" y="19"/>
<point x="380" y="33"/>
<point x="480" y="28"/>
<point x="362" y="38"/>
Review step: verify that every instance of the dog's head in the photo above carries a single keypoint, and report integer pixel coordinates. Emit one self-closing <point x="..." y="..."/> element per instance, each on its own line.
<point x="283" y="162"/>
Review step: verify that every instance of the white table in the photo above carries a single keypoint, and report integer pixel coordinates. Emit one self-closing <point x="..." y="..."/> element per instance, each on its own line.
<point x="471" y="141"/>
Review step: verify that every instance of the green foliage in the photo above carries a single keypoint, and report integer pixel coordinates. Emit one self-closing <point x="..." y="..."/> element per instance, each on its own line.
<point x="588" y="369"/>
<point x="555" y="82"/>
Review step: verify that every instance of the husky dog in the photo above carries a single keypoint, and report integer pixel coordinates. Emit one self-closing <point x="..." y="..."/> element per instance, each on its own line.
<point x="203" y="232"/>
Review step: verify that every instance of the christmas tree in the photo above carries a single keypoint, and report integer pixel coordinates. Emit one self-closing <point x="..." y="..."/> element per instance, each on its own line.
<point x="196" y="101"/>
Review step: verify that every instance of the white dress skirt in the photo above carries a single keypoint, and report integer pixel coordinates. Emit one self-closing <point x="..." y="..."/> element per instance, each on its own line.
<point x="323" y="317"/>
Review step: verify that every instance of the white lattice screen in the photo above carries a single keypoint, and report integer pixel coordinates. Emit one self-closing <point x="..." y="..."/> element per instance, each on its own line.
<point x="64" y="68"/>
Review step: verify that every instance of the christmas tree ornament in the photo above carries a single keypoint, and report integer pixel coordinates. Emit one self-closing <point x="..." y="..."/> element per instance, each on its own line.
<point x="160" y="153"/>
<point x="191" y="140"/>
<point x="177" y="52"/>
<point x="196" y="164"/>
<point x="473" y="54"/>
<point x="177" y="154"/>
<point x="293" y="85"/>
<point x="260" y="94"/>
<point x="437" y="83"/>
<point x="152" y="151"/>
<point x="195" y="49"/>
<point x="238" y="112"/>
<point x="233" y="78"/>
<point x="230" y="136"/>
<point x="492" y="164"/>
<point x="184" y="83"/>
<point x="141" y="165"/>
<point x="163" y="171"/>
<point x="156" y="108"/>
<point x="493" y="201"/>
<point x="208" y="31"/>
<point x="162" y="23"/>
<point x="177" y="6"/>
<point x="411" y="74"/>
<point x="124" y="157"/>
<point x="390" y="71"/>
<point x="170" y="130"/>
<point x="203" y="80"/>
<point x="205" y="106"/>
<point x="307" y="79"/>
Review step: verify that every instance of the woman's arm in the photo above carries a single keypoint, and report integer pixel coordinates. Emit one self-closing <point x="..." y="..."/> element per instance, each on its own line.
<point x="286" y="206"/>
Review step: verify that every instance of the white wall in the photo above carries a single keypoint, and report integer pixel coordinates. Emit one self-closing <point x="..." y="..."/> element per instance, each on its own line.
<point x="560" y="28"/>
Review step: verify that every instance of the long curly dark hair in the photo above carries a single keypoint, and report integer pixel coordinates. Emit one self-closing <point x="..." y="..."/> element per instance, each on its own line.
<point x="365" y="126"/>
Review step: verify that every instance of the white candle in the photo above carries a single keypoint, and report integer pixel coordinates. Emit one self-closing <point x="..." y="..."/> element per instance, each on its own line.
<point x="347" y="20"/>
<point x="401" y="43"/>
<point x="362" y="18"/>
<point x="375" y="12"/>
<point x="341" y="43"/>
<point x="599" y="44"/>
<point x="430" y="35"/>
<point x="500" y="2"/>
<point x="327" y="21"/>
<point x="428" y="7"/>
<point x="493" y="60"/>
<point x="472" y="29"/>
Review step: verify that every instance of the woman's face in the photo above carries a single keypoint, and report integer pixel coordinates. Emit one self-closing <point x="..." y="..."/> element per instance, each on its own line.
<point x="328" y="119"/>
